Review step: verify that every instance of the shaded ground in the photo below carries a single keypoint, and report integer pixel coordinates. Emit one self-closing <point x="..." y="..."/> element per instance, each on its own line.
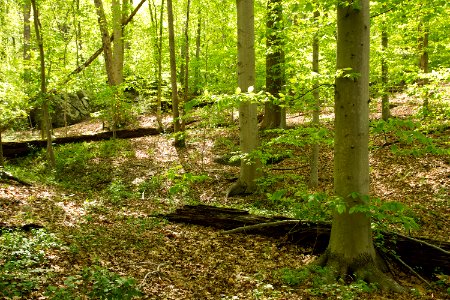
<point x="102" y="212"/>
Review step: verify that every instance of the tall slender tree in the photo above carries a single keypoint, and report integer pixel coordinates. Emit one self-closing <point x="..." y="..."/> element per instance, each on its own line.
<point x="351" y="250"/>
<point x="248" y="123"/>
<point x="274" y="114"/>
<point x="385" y="110"/>
<point x="314" y="160"/>
<point x="43" y="92"/>
<point x="179" y="134"/>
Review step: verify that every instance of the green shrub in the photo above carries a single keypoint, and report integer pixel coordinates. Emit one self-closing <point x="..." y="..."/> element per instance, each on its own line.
<point x="22" y="261"/>
<point x="95" y="282"/>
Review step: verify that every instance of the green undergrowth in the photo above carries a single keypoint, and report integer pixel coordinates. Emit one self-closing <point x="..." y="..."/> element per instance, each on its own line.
<point x="95" y="282"/>
<point x="314" y="278"/>
<point x="24" y="261"/>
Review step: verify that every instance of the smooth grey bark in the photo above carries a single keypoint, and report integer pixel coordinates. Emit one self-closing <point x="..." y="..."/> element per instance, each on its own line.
<point x="314" y="160"/>
<point x="248" y="131"/>
<point x="351" y="250"/>
<point x="179" y="134"/>
<point x="45" y="104"/>
<point x="275" y="74"/>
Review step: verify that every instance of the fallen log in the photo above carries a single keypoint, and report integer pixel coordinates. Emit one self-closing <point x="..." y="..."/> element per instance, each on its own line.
<point x="8" y="176"/>
<point x="18" y="149"/>
<point x="425" y="256"/>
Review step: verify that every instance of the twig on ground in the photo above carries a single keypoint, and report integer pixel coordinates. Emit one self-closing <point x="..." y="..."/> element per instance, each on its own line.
<point x="261" y="225"/>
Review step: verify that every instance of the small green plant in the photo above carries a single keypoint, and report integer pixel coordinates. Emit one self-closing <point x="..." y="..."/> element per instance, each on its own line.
<point x="95" y="282"/>
<point x="181" y="182"/>
<point x="293" y="277"/>
<point x="22" y="256"/>
<point x="118" y="191"/>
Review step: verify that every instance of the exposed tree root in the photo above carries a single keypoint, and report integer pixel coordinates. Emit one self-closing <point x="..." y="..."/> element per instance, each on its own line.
<point x="362" y="268"/>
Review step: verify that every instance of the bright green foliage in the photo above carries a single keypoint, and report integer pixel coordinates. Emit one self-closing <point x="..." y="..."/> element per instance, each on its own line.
<point x="316" y="278"/>
<point x="23" y="261"/>
<point x="407" y="138"/>
<point x="95" y="282"/>
<point x="181" y="182"/>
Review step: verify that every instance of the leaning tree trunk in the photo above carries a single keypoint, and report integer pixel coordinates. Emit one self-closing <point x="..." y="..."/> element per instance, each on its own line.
<point x="45" y="104"/>
<point x="273" y="112"/>
<point x="248" y="131"/>
<point x="351" y="250"/>
<point x="179" y="135"/>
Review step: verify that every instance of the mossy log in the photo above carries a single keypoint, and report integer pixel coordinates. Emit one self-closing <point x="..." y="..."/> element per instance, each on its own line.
<point x="425" y="256"/>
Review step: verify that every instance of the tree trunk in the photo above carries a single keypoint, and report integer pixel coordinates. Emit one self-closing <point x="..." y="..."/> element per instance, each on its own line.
<point x="158" y="27"/>
<point x="423" y="61"/>
<point x="314" y="160"/>
<point x="275" y="77"/>
<point x="351" y="250"/>
<point x="45" y="108"/>
<point x="160" y="45"/>
<point x="179" y="135"/>
<point x="106" y="43"/>
<point x="2" y="160"/>
<point x="186" y="64"/>
<point x="197" y="53"/>
<point x="26" y="39"/>
<point x="248" y="132"/>
<point x="385" y="111"/>
<point x="99" y="51"/>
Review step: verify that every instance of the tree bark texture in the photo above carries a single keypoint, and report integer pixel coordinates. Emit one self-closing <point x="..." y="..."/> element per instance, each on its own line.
<point x="186" y="63"/>
<point x="385" y="110"/>
<point x="248" y="131"/>
<point x="314" y="159"/>
<point x="351" y="249"/>
<point x="275" y="74"/>
<point x="106" y="42"/>
<point x="26" y="39"/>
<point x="45" y="104"/>
<point x="179" y="135"/>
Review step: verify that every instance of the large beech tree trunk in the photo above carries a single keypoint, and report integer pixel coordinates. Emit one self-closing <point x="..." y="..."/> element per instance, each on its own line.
<point x="248" y="132"/>
<point x="45" y="104"/>
<point x="351" y="250"/>
<point x="274" y="114"/>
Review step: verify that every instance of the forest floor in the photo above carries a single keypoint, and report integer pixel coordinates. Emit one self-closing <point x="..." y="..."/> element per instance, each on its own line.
<point x="99" y="213"/>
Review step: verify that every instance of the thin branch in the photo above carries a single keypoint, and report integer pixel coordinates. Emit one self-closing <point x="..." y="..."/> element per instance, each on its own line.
<point x="100" y="50"/>
<point x="289" y="169"/>
<point x="315" y="88"/>
<point x="262" y="225"/>
<point x="382" y="13"/>
<point x="425" y="243"/>
<point x="411" y="269"/>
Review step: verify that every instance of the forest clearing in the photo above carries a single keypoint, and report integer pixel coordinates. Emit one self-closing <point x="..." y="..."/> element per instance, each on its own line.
<point x="252" y="149"/>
